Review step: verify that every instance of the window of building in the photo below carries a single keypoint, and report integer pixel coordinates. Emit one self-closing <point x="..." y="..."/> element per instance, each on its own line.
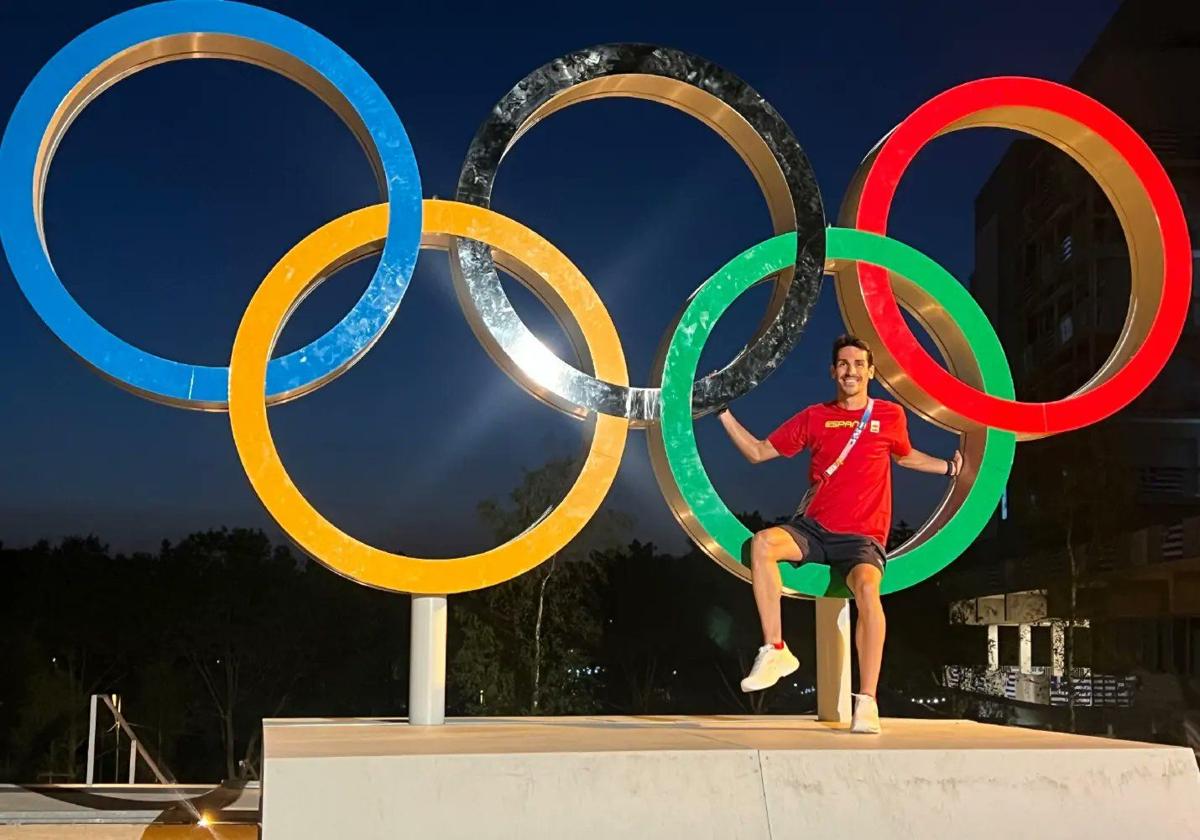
<point x="1162" y="644"/>
<point x="1066" y="329"/>
<point x="1083" y="648"/>
<point x="1179" y="646"/>
<point x="1040" y="647"/>
<point x="1009" y="651"/>
<point x="1195" y="308"/>
<point x="1194" y="647"/>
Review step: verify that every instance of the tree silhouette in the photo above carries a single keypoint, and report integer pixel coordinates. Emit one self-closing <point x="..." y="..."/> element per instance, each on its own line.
<point x="527" y="645"/>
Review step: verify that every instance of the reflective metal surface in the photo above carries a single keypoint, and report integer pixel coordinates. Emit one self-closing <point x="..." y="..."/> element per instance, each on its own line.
<point x="974" y="397"/>
<point x="721" y="101"/>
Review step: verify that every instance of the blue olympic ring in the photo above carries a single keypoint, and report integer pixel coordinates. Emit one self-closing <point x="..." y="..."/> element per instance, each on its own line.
<point x="58" y="85"/>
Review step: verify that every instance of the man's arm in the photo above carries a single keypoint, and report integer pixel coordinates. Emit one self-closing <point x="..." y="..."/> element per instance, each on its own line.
<point x="755" y="450"/>
<point x="919" y="461"/>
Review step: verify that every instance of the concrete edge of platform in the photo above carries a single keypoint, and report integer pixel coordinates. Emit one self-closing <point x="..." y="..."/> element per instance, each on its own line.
<point x="728" y="791"/>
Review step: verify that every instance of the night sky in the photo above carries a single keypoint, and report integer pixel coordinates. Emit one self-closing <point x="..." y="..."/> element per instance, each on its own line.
<point x="176" y="190"/>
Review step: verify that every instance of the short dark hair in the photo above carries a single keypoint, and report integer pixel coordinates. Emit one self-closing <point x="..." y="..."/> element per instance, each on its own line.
<point x="852" y="341"/>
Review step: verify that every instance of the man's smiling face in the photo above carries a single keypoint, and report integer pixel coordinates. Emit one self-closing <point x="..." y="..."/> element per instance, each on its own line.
<point x="852" y="371"/>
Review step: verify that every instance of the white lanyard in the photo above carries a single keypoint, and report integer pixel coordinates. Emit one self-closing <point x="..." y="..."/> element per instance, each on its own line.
<point x="858" y="430"/>
<point x="839" y="460"/>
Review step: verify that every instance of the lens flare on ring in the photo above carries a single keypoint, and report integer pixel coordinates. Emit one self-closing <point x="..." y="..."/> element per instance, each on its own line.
<point x="738" y="114"/>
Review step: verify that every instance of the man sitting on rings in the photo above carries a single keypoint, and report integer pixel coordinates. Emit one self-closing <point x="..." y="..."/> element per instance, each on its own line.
<point x="844" y="519"/>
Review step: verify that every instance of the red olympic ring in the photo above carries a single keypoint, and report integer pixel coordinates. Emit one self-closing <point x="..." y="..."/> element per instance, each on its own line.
<point x="1123" y="165"/>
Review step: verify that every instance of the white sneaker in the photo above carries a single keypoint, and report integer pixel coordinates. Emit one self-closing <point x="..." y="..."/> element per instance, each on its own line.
<point x="770" y="666"/>
<point x="866" y="715"/>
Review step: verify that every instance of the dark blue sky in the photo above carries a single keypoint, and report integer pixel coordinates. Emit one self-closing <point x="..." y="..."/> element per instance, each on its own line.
<point x="177" y="190"/>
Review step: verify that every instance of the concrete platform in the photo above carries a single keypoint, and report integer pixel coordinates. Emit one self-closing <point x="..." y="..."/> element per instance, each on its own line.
<point x="715" y="777"/>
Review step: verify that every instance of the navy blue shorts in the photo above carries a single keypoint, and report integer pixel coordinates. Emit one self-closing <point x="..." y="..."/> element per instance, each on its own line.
<point x="841" y="552"/>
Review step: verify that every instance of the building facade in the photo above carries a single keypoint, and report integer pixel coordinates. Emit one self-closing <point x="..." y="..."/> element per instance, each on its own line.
<point x="1104" y="521"/>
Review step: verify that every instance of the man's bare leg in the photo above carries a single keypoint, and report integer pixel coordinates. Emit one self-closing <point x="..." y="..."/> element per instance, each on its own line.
<point x="773" y="661"/>
<point x="768" y="548"/>
<point x="869" y="632"/>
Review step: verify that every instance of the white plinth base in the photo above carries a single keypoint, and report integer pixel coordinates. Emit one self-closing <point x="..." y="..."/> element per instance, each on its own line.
<point x="715" y="777"/>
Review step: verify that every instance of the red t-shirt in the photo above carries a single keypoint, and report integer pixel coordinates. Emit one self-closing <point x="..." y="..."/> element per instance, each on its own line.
<point x="858" y="498"/>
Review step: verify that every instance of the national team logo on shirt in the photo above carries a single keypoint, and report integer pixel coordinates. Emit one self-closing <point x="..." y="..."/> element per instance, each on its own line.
<point x="874" y="427"/>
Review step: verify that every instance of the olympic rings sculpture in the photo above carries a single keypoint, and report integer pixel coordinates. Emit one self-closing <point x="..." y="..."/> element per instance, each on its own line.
<point x="874" y="276"/>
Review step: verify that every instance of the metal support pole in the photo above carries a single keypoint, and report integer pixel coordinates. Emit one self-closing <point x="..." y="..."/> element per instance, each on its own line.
<point x="91" y="761"/>
<point x="833" y="659"/>
<point x="427" y="661"/>
<point x="115" y="705"/>
<point x="133" y="752"/>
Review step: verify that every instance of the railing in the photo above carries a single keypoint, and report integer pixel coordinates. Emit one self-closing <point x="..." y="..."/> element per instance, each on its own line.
<point x="1169" y="481"/>
<point x="1172" y="542"/>
<point x="1040" y="686"/>
<point x="135" y="746"/>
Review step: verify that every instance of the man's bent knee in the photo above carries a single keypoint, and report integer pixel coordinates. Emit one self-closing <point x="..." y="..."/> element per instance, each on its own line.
<point x="864" y="581"/>
<point x="760" y="548"/>
<point x="772" y="545"/>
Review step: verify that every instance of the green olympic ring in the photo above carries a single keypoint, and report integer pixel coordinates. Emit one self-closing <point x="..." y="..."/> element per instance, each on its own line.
<point x="713" y="526"/>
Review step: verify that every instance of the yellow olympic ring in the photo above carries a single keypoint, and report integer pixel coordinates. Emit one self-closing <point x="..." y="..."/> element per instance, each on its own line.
<point x="351" y="237"/>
